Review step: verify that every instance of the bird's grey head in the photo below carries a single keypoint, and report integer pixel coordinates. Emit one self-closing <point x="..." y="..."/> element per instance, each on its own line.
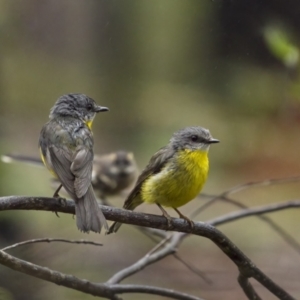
<point x="77" y="106"/>
<point x="123" y="163"/>
<point x="192" y="138"/>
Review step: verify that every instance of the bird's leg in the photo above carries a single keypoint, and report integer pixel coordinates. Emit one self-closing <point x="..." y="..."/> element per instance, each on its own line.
<point x="166" y="215"/>
<point x="56" y="195"/>
<point x="191" y="223"/>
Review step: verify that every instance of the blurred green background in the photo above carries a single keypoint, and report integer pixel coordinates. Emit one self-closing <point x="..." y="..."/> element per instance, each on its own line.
<point x="230" y="66"/>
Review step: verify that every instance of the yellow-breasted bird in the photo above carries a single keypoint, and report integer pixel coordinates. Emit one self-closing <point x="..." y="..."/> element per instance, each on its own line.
<point x="66" y="146"/>
<point x="175" y="174"/>
<point x="112" y="174"/>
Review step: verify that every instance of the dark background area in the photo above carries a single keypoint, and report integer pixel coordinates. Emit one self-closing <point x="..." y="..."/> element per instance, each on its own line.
<point x="230" y="66"/>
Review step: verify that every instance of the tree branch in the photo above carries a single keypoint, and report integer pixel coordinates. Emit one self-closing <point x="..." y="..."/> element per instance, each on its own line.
<point x="227" y="218"/>
<point x="69" y="281"/>
<point x="95" y="289"/>
<point x="254" y="211"/>
<point x="244" y="264"/>
<point x="133" y="288"/>
<point x="288" y="238"/>
<point x="248" y="288"/>
<point x="49" y="240"/>
<point x="242" y="187"/>
<point x="148" y="259"/>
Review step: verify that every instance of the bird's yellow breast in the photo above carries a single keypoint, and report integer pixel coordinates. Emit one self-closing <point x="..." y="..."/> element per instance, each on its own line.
<point x="89" y="124"/>
<point x="180" y="181"/>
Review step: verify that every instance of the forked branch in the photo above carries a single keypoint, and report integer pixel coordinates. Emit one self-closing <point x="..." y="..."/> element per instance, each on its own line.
<point x="246" y="267"/>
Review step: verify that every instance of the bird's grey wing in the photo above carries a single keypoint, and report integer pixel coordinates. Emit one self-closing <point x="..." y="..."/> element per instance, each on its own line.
<point x="81" y="168"/>
<point x="60" y="160"/>
<point x="156" y="163"/>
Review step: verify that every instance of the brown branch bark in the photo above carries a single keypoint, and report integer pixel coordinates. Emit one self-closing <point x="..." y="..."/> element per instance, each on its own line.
<point x="69" y="281"/>
<point x="248" y="288"/>
<point x="244" y="264"/>
<point x="88" y="287"/>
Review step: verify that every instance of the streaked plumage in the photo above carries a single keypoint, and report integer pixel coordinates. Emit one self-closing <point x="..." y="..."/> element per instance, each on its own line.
<point x="66" y="145"/>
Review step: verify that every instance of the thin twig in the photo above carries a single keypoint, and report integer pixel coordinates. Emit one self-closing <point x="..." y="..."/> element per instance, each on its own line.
<point x="149" y="232"/>
<point x="193" y="269"/>
<point x="150" y="258"/>
<point x="267" y="182"/>
<point x="242" y="187"/>
<point x="160" y="245"/>
<point x="157" y="253"/>
<point x="288" y="238"/>
<point x="49" y="240"/>
<point x="254" y="211"/>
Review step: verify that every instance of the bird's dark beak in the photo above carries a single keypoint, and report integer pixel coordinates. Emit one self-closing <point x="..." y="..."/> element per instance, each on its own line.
<point x="213" y="141"/>
<point x="99" y="108"/>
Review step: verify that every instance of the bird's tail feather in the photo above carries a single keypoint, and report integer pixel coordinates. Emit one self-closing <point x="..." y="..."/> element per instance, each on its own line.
<point x="89" y="216"/>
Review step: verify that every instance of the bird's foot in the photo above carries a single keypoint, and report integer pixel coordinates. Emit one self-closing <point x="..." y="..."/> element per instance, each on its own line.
<point x="169" y="220"/>
<point x="167" y="216"/>
<point x="56" y="195"/>
<point x="191" y="223"/>
<point x="62" y="201"/>
<point x="182" y="216"/>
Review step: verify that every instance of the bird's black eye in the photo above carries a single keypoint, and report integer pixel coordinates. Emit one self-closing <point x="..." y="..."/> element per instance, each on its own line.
<point x="89" y="106"/>
<point x="194" y="138"/>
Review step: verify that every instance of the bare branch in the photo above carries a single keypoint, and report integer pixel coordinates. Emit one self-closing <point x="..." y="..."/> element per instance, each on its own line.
<point x="148" y="259"/>
<point x="254" y="211"/>
<point x="149" y="231"/>
<point x="248" y="288"/>
<point x="49" y="240"/>
<point x="267" y="182"/>
<point x="288" y="238"/>
<point x="193" y="269"/>
<point x="95" y="289"/>
<point x="66" y="280"/>
<point x="243" y="263"/>
<point x="242" y="187"/>
<point x="132" y="288"/>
